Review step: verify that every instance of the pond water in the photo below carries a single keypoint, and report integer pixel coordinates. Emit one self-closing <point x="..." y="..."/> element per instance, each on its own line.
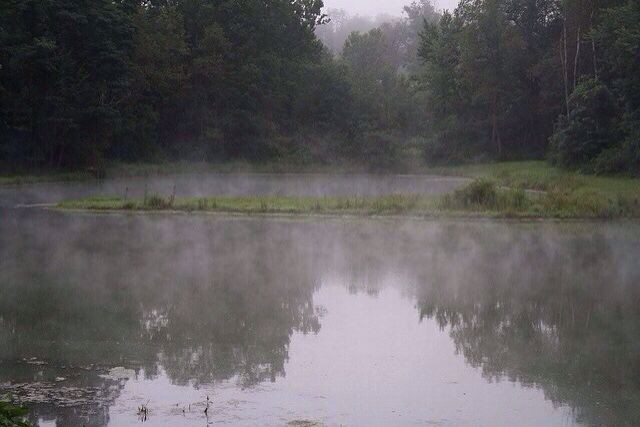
<point x="307" y="322"/>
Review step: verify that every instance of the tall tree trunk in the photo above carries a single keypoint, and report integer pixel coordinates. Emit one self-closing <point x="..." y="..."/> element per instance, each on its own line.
<point x="593" y="51"/>
<point x="495" y="131"/>
<point x="595" y="61"/>
<point x="563" y="60"/>
<point x="60" y="156"/>
<point x="576" y="59"/>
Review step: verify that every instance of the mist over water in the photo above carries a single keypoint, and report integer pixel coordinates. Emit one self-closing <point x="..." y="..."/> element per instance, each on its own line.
<point x="234" y="184"/>
<point x="352" y="322"/>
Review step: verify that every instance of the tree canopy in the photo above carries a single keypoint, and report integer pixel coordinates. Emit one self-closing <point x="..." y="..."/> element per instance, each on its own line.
<point x="504" y="77"/>
<point x="135" y="80"/>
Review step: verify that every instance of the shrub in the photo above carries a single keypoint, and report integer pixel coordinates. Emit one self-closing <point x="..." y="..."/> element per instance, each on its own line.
<point x="479" y="193"/>
<point x="625" y="156"/>
<point x="203" y="204"/>
<point x="156" y="201"/>
<point x="589" y="129"/>
<point x="483" y="194"/>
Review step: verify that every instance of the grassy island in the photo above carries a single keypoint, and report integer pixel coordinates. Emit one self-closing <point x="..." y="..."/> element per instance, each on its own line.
<point x="481" y="197"/>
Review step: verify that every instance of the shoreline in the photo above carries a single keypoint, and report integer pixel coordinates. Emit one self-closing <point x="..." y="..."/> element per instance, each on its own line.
<point x="451" y="216"/>
<point x="480" y="199"/>
<point x="521" y="190"/>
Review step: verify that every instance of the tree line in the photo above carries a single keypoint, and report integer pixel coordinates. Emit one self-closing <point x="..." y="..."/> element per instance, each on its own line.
<point x="521" y="78"/>
<point x="134" y="79"/>
<point x="138" y="80"/>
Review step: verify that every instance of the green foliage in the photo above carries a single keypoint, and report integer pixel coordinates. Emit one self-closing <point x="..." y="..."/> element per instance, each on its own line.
<point x="621" y="157"/>
<point x="205" y="80"/>
<point x="324" y="101"/>
<point x="155" y="201"/>
<point x="12" y="415"/>
<point x="484" y="68"/>
<point x="378" y="65"/>
<point x="373" y="76"/>
<point x="618" y="37"/>
<point x="194" y="79"/>
<point x="496" y="83"/>
<point x="481" y="193"/>
<point x="588" y="130"/>
<point x="380" y="205"/>
<point x="61" y="96"/>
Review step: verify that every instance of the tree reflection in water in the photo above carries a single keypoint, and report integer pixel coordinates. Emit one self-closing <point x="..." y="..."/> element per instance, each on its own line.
<point x="558" y="312"/>
<point x="204" y="305"/>
<point x="205" y="300"/>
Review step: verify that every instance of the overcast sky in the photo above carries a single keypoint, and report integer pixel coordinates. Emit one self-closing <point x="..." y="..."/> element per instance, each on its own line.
<point x="376" y="7"/>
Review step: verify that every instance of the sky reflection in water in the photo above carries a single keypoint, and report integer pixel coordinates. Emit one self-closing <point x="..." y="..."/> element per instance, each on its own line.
<point x="335" y="321"/>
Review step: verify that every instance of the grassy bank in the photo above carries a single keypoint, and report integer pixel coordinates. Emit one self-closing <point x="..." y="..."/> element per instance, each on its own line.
<point x="482" y="197"/>
<point x="560" y="193"/>
<point x="387" y="205"/>
<point x="540" y="175"/>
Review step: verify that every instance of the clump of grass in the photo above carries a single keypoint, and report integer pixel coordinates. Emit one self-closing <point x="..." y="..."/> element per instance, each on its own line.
<point x="155" y="201"/>
<point x="562" y="203"/>
<point x="395" y="204"/>
<point x="480" y="193"/>
<point x="343" y="204"/>
<point x="203" y="204"/>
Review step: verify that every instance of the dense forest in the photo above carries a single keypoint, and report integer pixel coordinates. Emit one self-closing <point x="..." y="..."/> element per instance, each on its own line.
<point x="533" y="77"/>
<point x="84" y="82"/>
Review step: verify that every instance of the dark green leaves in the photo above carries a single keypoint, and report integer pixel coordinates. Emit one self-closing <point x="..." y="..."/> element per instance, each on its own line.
<point x="12" y="415"/>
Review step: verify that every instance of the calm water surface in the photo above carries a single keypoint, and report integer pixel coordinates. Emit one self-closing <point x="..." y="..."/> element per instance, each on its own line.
<point x="323" y="322"/>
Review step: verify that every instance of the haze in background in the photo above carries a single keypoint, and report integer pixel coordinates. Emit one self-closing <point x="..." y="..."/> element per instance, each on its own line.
<point x="381" y="7"/>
